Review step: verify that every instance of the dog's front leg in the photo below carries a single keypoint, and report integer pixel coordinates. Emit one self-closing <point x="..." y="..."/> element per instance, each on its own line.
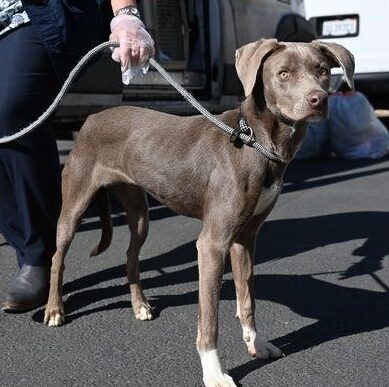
<point x="211" y="257"/>
<point x="242" y="262"/>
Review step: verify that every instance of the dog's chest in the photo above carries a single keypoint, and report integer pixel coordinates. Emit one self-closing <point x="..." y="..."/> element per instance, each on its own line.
<point x="267" y="197"/>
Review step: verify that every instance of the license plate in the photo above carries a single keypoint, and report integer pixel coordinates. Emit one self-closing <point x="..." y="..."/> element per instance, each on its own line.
<point x="337" y="28"/>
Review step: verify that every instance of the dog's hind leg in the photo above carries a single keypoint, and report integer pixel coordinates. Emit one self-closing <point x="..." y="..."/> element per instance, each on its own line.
<point x="242" y="262"/>
<point x="76" y="194"/>
<point x="134" y="201"/>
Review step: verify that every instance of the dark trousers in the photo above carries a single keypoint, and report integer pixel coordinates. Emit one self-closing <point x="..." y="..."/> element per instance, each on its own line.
<point x="29" y="168"/>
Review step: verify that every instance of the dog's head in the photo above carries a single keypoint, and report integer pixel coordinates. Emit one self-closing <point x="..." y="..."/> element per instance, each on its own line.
<point x="293" y="77"/>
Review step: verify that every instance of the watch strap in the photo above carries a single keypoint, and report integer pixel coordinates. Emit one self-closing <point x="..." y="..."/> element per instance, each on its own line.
<point x="128" y="10"/>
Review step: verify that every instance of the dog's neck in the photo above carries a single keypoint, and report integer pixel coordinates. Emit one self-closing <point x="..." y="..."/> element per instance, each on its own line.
<point x="270" y="130"/>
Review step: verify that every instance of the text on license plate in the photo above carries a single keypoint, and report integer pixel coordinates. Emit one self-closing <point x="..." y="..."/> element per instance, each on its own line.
<point x="340" y="27"/>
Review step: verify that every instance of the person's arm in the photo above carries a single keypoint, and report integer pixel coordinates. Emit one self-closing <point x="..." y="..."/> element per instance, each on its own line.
<point x="136" y="45"/>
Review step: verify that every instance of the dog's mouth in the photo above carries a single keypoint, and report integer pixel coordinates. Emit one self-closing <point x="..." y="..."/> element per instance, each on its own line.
<point x="309" y="117"/>
<point x="283" y="116"/>
<point x="317" y="114"/>
<point x="301" y="113"/>
<point x="306" y="114"/>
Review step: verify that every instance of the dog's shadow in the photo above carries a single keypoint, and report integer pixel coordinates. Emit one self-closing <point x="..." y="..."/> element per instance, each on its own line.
<point x="339" y="311"/>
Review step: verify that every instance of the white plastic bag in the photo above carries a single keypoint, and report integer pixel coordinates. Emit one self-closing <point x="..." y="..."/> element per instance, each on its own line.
<point x="355" y="131"/>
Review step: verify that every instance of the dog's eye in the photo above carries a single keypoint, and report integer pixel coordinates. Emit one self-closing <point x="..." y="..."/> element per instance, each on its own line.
<point x="324" y="72"/>
<point x="283" y="74"/>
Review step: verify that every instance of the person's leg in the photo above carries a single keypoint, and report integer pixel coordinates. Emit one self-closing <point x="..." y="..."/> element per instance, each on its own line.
<point x="29" y="167"/>
<point x="30" y="199"/>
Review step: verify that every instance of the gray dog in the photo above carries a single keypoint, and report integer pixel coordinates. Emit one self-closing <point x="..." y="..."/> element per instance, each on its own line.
<point x="192" y="167"/>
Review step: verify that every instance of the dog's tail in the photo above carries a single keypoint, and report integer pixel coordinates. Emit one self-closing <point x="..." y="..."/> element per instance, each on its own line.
<point x="102" y="198"/>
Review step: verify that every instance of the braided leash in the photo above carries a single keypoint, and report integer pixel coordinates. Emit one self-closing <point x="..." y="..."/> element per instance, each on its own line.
<point x="247" y="139"/>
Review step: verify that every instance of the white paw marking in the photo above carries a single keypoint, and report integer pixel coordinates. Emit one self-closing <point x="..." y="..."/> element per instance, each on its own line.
<point x="249" y="336"/>
<point x="144" y="313"/>
<point x="257" y="347"/>
<point x="213" y="375"/>
<point x="56" y="320"/>
<point x="224" y="381"/>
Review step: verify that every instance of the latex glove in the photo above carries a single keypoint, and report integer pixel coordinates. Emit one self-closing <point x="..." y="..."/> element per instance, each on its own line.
<point x="136" y="46"/>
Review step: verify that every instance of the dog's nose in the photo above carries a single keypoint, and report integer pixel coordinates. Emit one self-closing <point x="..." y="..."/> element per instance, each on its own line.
<point x="316" y="98"/>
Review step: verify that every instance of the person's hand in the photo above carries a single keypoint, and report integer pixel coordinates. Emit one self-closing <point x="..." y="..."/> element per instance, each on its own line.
<point x="136" y="45"/>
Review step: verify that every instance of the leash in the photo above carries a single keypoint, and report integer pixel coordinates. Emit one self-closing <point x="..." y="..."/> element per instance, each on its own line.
<point x="244" y="133"/>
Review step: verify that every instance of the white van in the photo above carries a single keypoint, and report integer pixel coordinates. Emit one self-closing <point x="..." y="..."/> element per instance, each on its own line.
<point x="195" y="42"/>
<point x="361" y="26"/>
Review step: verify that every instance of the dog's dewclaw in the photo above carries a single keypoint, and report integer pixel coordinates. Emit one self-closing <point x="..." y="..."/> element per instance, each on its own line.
<point x="237" y="315"/>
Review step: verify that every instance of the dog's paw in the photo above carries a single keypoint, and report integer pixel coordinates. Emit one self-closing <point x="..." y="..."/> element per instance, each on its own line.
<point x="259" y="348"/>
<point x="213" y="375"/>
<point x="54" y="316"/>
<point x="223" y="381"/>
<point x="144" y="312"/>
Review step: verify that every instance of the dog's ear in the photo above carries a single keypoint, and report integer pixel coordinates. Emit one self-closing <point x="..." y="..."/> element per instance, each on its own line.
<point x="248" y="60"/>
<point x="340" y="57"/>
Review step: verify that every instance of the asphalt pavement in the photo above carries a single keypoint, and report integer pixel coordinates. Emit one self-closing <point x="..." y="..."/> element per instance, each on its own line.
<point x="322" y="282"/>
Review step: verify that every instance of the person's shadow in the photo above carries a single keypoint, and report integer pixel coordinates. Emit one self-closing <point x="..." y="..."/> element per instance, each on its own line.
<point x="284" y="238"/>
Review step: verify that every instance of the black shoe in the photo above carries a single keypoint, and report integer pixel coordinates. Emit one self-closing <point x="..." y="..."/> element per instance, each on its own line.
<point x="28" y="290"/>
